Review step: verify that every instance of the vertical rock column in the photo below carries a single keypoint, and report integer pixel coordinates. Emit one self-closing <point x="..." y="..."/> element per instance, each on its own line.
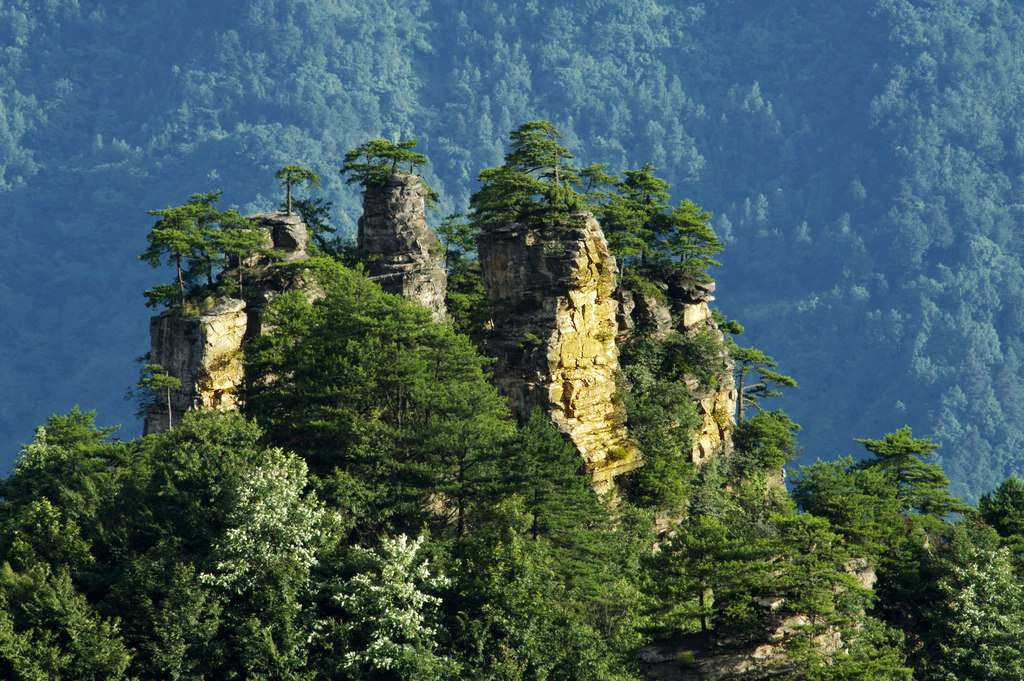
<point x="716" y="404"/>
<point x="408" y="253"/>
<point x="554" y="334"/>
<point x="204" y="353"/>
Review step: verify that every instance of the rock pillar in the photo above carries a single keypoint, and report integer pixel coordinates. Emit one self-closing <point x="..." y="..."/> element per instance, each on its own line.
<point x="554" y="334"/>
<point x="204" y="353"/>
<point x="405" y="250"/>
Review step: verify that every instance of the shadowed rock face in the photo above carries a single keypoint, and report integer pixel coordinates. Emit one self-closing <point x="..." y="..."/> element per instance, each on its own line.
<point x="752" y="655"/>
<point x="407" y="253"/>
<point x="684" y="308"/>
<point x="554" y="334"/>
<point x="287" y="234"/>
<point x="716" y="404"/>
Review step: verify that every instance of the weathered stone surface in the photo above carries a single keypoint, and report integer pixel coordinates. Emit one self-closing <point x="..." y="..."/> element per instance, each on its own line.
<point x="717" y="408"/>
<point x="695" y="658"/>
<point x="686" y="303"/>
<point x="287" y="234"/>
<point x="554" y="334"/>
<point x="204" y="353"/>
<point x="626" y="326"/>
<point x="651" y="314"/>
<point x="748" y="655"/>
<point x="407" y="252"/>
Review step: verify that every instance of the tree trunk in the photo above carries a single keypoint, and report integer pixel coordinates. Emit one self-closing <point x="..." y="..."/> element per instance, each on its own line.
<point x="181" y="280"/>
<point x="739" y="402"/>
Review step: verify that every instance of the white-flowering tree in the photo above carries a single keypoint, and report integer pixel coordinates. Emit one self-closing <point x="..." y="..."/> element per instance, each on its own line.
<point x="392" y="606"/>
<point x="274" y="528"/>
<point x="261" y="564"/>
<point x="226" y="538"/>
<point x="980" y="626"/>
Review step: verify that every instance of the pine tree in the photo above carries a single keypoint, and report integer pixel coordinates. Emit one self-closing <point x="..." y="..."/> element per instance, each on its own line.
<point x="153" y="377"/>
<point x="535" y="184"/>
<point x="920" y="487"/>
<point x="293" y="174"/>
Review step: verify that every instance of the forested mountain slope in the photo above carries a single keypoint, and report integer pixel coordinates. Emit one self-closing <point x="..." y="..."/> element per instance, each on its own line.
<point x="863" y="162"/>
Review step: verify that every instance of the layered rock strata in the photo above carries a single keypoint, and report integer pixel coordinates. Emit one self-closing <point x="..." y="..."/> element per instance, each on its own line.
<point x="405" y="252"/>
<point x="552" y="289"/>
<point x="205" y="352"/>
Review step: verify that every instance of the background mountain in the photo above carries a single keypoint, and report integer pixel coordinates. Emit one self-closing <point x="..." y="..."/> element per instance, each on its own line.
<point x="864" y="164"/>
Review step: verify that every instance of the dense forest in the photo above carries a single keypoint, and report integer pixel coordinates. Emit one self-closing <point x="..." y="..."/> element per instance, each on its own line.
<point x="862" y="162"/>
<point x="375" y="511"/>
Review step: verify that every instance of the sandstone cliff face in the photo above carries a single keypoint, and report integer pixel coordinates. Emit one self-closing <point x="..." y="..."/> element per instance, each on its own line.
<point x="407" y="252"/>
<point x="206" y="352"/>
<point x="554" y="334"/>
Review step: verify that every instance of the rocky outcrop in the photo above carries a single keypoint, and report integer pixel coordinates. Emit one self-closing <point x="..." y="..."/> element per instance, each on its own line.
<point x="552" y="289"/>
<point x="716" y="403"/>
<point x="204" y="353"/>
<point x="681" y="305"/>
<point x="286" y="234"/>
<point x="405" y="252"/>
<point x="751" y="656"/>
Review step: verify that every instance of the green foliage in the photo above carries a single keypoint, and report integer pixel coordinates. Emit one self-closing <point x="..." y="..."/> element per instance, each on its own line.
<point x="225" y="533"/>
<point x="380" y="160"/>
<point x="693" y="567"/>
<point x="365" y="381"/>
<point x="861" y="503"/>
<point x="717" y="577"/>
<point x="642" y="227"/>
<point x="49" y="631"/>
<point x="660" y="411"/>
<point x="920" y="487"/>
<point x="458" y="238"/>
<point x="1003" y="508"/>
<point x="392" y="614"/>
<point x="466" y="299"/>
<point x="768" y="381"/>
<point x="766" y="442"/>
<point x="979" y="623"/>
<point x="198" y="240"/>
<point x="516" y="616"/>
<point x="241" y="239"/>
<point x="293" y="174"/>
<point x="54" y="497"/>
<point x="153" y="377"/>
<point x="535" y="184"/>
<point x="316" y="213"/>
